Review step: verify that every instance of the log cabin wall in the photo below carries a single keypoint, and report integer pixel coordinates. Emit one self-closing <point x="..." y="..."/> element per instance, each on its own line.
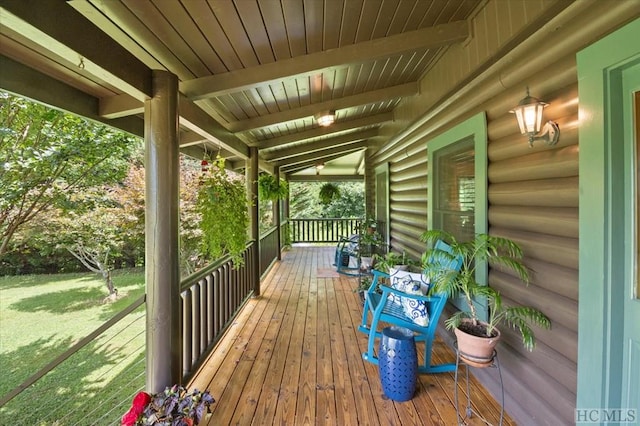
<point x="533" y="192"/>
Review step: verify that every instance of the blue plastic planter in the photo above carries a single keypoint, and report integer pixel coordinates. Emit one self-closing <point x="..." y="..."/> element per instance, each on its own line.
<point x="398" y="363"/>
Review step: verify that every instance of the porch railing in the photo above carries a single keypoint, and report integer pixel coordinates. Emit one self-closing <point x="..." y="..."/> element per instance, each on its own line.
<point x="329" y="230"/>
<point x="210" y="299"/>
<point x="268" y="249"/>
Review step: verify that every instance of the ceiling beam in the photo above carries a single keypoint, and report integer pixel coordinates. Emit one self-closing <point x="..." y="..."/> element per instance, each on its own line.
<point x="61" y="30"/>
<point x="262" y="165"/>
<point x="317" y="132"/>
<point x="30" y="83"/>
<point x="322" y="155"/>
<point x="96" y="12"/>
<point x="196" y="120"/>
<point x="190" y="138"/>
<point x="120" y="106"/>
<point x="319" y="145"/>
<point x="311" y="163"/>
<point x="380" y="95"/>
<point x="324" y="178"/>
<point x="235" y="81"/>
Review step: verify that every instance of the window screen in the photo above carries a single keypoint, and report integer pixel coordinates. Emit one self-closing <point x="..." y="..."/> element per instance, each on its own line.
<point x="455" y="193"/>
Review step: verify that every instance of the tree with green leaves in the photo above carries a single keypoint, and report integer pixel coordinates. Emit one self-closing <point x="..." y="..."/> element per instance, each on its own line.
<point x="48" y="157"/>
<point x="305" y="196"/>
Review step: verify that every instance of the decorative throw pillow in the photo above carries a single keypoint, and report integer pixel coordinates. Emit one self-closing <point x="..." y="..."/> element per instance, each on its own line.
<point x="415" y="309"/>
<point x="401" y="279"/>
<point x="410" y="283"/>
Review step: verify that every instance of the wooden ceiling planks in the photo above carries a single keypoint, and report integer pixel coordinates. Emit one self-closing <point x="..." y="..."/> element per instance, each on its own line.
<point x="221" y="49"/>
<point x="144" y="22"/>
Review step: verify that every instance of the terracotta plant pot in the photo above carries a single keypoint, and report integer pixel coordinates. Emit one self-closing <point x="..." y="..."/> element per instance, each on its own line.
<point x="475" y="350"/>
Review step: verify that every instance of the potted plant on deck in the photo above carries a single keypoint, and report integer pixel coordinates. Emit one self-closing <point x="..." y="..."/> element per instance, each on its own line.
<point x="477" y="338"/>
<point x="364" y="282"/>
<point x="368" y="245"/>
<point x="393" y="260"/>
<point x="174" y="406"/>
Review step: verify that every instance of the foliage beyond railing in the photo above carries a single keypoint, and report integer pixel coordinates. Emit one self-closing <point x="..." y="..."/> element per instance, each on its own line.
<point x="323" y="230"/>
<point x="210" y="299"/>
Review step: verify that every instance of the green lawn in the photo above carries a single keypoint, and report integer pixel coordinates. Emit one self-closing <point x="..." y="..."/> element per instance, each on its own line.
<point x="40" y="318"/>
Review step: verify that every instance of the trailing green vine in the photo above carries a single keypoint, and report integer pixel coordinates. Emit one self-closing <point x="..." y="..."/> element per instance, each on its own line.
<point x="270" y="189"/>
<point x="223" y="204"/>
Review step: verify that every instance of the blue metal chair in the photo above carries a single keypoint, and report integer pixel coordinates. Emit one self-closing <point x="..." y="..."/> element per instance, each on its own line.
<point x="346" y="259"/>
<point x="382" y="309"/>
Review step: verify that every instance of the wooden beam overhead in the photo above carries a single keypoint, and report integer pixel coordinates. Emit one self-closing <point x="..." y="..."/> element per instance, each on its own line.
<point x="190" y="138"/>
<point x="320" y="145"/>
<point x="96" y="13"/>
<point x="120" y="106"/>
<point x="317" y="132"/>
<point x="321" y="155"/>
<point x="292" y="168"/>
<point x="426" y="38"/>
<point x="79" y="42"/>
<point x="195" y="119"/>
<point x="28" y="82"/>
<point x="380" y="95"/>
<point x="242" y="164"/>
<point x="324" y="178"/>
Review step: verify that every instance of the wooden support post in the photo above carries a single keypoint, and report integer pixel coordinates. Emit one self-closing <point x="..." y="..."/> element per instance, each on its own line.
<point x="369" y="185"/>
<point x="252" y="191"/>
<point x="162" y="170"/>
<point x="276" y="215"/>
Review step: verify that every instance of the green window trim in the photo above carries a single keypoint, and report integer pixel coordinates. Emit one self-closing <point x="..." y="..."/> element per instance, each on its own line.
<point x="475" y="128"/>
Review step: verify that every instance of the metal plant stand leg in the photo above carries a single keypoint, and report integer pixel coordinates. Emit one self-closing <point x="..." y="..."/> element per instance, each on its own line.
<point x="468" y="410"/>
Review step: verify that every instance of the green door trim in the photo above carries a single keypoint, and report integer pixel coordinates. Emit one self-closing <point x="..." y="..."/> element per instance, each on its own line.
<point x="600" y="313"/>
<point x="384" y="169"/>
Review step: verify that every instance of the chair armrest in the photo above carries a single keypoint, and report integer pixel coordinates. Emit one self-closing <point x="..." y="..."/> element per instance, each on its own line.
<point x="386" y="290"/>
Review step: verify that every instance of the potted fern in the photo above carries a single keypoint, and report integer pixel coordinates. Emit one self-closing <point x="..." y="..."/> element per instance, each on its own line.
<point x="477" y="338"/>
<point x="272" y="189"/>
<point x="328" y="192"/>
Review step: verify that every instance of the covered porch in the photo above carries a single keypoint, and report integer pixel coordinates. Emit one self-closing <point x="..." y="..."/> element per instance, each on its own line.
<point x="293" y="356"/>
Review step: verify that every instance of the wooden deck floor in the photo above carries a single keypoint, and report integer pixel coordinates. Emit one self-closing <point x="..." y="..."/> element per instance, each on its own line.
<point x="293" y="357"/>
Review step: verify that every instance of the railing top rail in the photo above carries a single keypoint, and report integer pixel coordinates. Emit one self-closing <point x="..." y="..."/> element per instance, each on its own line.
<point x="268" y="232"/>
<point x="188" y="281"/>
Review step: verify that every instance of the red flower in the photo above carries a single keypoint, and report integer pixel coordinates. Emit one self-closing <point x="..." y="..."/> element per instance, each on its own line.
<point x="140" y="401"/>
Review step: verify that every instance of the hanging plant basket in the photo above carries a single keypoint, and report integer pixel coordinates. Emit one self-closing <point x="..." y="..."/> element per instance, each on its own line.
<point x="269" y="188"/>
<point x="224" y="207"/>
<point x="328" y="193"/>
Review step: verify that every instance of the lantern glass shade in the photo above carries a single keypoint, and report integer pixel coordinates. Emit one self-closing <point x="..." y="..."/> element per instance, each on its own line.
<point x="529" y="115"/>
